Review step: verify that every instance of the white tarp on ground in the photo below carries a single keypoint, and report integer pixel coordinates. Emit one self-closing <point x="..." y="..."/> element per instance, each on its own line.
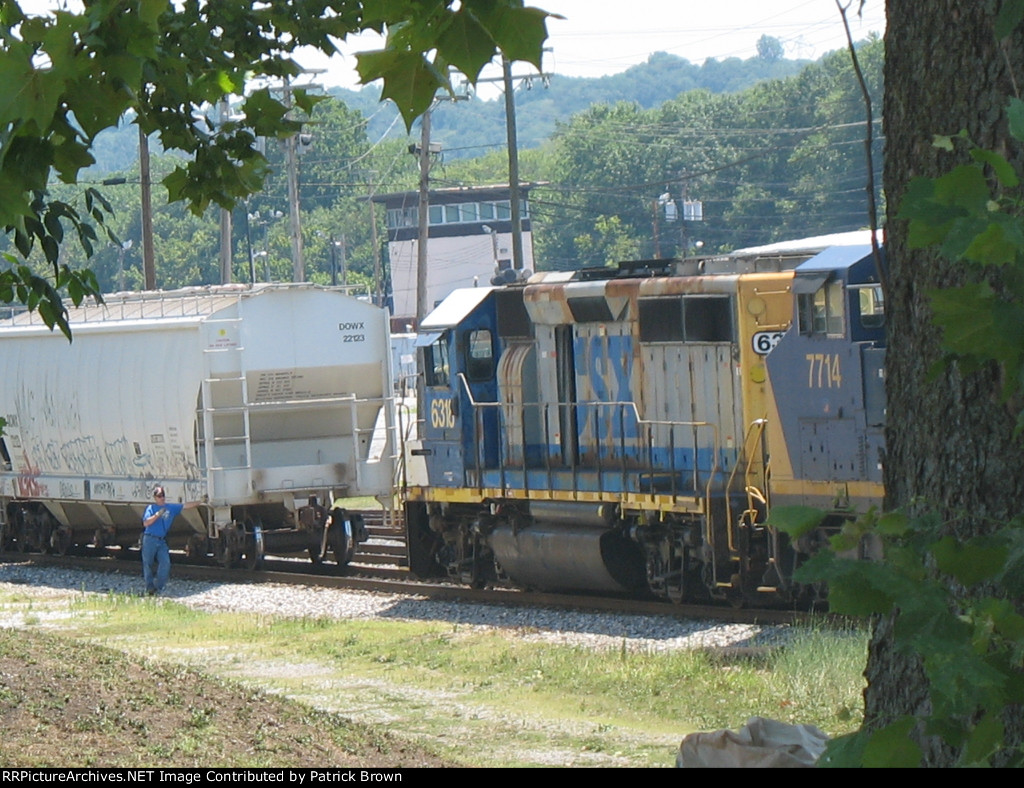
<point x="761" y="743"/>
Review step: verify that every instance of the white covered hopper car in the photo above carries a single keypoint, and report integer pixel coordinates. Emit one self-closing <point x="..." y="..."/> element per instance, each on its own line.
<point x="267" y="403"/>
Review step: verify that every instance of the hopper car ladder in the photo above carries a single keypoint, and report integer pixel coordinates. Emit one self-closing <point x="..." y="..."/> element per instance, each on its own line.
<point x="232" y="406"/>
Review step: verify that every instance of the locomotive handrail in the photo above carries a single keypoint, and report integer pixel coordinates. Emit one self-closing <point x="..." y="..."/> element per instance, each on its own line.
<point x="758" y="426"/>
<point x="622" y="404"/>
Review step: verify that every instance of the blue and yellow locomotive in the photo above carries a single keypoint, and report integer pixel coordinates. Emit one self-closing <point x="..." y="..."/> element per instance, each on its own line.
<point x="612" y="429"/>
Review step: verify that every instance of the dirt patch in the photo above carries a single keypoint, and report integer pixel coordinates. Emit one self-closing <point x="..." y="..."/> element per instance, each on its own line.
<point x="68" y="703"/>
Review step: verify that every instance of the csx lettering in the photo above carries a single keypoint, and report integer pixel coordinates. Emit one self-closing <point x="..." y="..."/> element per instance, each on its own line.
<point x="823" y="371"/>
<point x="441" y="416"/>
<point x="350" y="326"/>
<point x="610" y="371"/>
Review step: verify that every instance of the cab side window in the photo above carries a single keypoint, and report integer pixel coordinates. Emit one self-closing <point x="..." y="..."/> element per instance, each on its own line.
<point x="435" y="363"/>
<point x="479" y="355"/>
<point x="872" y="306"/>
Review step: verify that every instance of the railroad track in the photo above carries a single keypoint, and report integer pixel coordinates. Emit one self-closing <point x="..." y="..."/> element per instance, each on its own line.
<point x="296" y="572"/>
<point x="380" y="565"/>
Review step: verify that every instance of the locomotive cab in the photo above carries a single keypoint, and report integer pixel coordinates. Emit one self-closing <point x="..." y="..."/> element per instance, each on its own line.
<point x="458" y="355"/>
<point x="827" y="376"/>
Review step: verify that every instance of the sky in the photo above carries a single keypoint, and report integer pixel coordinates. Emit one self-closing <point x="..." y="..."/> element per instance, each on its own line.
<point x="600" y="37"/>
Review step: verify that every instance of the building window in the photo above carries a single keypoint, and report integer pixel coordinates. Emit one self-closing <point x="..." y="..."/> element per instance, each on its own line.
<point x="455" y="213"/>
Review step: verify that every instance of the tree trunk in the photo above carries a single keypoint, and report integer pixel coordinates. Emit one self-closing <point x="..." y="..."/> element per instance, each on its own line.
<point x="949" y="439"/>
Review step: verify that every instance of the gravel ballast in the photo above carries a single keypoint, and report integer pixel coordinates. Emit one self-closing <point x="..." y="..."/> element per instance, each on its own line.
<point x="608" y="630"/>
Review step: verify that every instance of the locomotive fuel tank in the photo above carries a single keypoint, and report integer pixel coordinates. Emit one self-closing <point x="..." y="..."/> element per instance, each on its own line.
<point x="568" y="547"/>
<point x="267" y="403"/>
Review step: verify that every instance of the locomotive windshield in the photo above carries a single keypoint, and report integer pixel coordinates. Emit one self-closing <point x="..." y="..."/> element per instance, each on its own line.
<point x="821" y="312"/>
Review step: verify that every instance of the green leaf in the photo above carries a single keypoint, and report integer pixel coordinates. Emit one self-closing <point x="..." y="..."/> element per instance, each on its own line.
<point x="970" y="563"/>
<point x="964" y="186"/>
<point x="1009" y="17"/>
<point x="466" y="44"/>
<point x="856" y="588"/>
<point x="409" y="80"/>
<point x="520" y="32"/>
<point x="1000" y="166"/>
<point x="892" y="748"/>
<point x="795" y="521"/>
<point x="844" y="752"/>
<point x="999" y="243"/>
<point x="893" y="524"/>
<point x="1015" y="116"/>
<point x="967" y="316"/>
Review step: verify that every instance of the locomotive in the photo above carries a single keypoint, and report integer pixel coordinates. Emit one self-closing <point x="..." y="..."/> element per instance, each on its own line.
<point x="627" y="430"/>
<point x="269" y="403"/>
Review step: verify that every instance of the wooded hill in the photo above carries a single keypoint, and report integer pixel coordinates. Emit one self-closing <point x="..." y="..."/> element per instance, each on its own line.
<point x="771" y="148"/>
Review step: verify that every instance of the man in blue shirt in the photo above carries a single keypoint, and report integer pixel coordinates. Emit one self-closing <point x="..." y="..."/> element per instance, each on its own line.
<point x="156" y="523"/>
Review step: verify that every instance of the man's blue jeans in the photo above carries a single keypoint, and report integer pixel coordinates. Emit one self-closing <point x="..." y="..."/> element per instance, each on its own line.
<point x="155" y="552"/>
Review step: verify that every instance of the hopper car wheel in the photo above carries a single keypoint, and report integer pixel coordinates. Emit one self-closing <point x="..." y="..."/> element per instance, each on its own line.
<point x="253" y="551"/>
<point x="341" y="541"/>
<point x="20" y="532"/>
<point x="197" y="547"/>
<point x="60" y="540"/>
<point x="230" y="546"/>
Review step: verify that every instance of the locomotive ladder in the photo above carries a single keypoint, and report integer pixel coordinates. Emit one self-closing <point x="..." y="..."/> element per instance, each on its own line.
<point x="210" y="435"/>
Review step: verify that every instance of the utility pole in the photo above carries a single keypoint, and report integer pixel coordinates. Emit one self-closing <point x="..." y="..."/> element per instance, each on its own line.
<point x="148" y="265"/>
<point x="513" y="166"/>
<point x="378" y="285"/>
<point x="298" y="263"/>
<point x="513" y="158"/>
<point x="422" y="304"/>
<point x="225" y="217"/>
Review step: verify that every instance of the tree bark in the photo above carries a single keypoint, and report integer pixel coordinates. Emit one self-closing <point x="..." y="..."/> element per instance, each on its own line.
<point x="949" y="439"/>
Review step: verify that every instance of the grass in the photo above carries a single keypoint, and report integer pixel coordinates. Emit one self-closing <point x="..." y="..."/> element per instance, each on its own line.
<point x="467" y="695"/>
